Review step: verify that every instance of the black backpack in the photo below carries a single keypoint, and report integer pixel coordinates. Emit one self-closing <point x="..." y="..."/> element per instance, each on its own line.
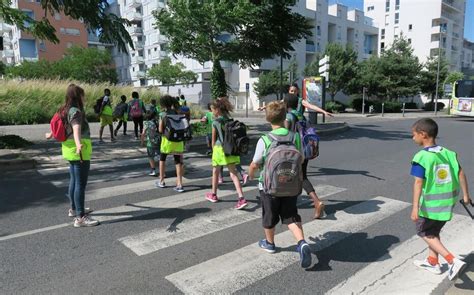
<point x="236" y="141"/>
<point x="98" y="105"/>
<point x="177" y="128"/>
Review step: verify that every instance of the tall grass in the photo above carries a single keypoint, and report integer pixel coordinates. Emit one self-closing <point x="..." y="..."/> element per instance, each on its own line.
<point x="35" y="101"/>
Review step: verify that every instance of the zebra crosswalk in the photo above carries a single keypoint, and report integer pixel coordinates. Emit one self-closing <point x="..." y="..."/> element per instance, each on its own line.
<point x="245" y="266"/>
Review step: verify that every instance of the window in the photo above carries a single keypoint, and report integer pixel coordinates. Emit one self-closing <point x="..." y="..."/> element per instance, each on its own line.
<point x="386" y="20"/>
<point x="387" y="5"/>
<point x="382" y="45"/>
<point x="397" y="4"/>
<point x="68" y="31"/>
<point x="409" y="41"/>
<point x="57" y="16"/>
<point x="69" y="44"/>
<point x="410" y="27"/>
<point x="397" y="17"/>
<point x="382" y="34"/>
<point x="318" y="30"/>
<point x="42" y="45"/>
<point x="31" y="15"/>
<point x="370" y="8"/>
<point x="28" y="48"/>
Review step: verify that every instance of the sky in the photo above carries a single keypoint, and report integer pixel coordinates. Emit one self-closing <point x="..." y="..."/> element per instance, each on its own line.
<point x="468" y="24"/>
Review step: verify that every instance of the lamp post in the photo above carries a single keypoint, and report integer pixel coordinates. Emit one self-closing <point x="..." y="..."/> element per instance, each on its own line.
<point x="441" y="25"/>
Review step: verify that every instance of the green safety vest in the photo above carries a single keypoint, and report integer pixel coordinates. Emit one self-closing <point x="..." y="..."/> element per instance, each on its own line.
<point x="441" y="183"/>
<point x="267" y="141"/>
<point x="68" y="149"/>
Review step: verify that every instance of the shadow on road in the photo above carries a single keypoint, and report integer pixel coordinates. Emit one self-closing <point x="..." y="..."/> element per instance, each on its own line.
<point x="334" y="171"/>
<point x="362" y="131"/>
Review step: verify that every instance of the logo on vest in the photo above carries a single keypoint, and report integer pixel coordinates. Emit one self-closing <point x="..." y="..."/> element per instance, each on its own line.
<point x="442" y="174"/>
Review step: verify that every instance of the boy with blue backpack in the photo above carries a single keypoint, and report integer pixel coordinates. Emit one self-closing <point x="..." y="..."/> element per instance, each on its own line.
<point x="279" y="155"/>
<point x="296" y="122"/>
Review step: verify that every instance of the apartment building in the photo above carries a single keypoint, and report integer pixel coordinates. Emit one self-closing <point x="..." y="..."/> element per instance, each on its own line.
<point x="21" y="46"/>
<point x="332" y="23"/>
<point x="467" y="58"/>
<point x="431" y="26"/>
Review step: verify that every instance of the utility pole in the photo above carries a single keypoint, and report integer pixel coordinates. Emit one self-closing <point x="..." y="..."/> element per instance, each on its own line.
<point x="441" y="26"/>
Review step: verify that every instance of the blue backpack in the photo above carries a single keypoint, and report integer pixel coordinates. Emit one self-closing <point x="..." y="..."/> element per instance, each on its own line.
<point x="309" y="138"/>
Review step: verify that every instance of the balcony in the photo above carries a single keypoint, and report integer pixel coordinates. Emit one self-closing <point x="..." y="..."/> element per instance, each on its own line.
<point x="454" y="48"/>
<point x="163" y="53"/>
<point x="4" y="28"/>
<point x="136" y="3"/>
<point x="436" y="44"/>
<point x="157" y="5"/>
<point x="8" y="53"/>
<point x="135" y="17"/>
<point x="139" y="45"/>
<point x="138" y="59"/>
<point x="310" y="48"/>
<point x="160" y="39"/>
<point x="7" y="41"/>
<point x="138" y="75"/>
<point x="135" y="31"/>
<point x="452" y="4"/>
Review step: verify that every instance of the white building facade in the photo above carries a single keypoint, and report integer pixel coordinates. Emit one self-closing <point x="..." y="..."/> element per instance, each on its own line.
<point x="335" y="23"/>
<point x="431" y="26"/>
<point x="467" y="57"/>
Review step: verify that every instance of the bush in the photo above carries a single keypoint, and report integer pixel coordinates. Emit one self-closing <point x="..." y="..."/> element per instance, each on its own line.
<point x="197" y="112"/>
<point x="411" y="106"/>
<point x="356" y="104"/>
<point x="429" y="106"/>
<point x="335" y="106"/>
<point x="389" y="107"/>
<point x="198" y="129"/>
<point x="13" y="142"/>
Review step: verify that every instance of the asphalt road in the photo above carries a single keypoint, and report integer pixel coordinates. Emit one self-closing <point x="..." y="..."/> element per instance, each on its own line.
<point x="370" y="160"/>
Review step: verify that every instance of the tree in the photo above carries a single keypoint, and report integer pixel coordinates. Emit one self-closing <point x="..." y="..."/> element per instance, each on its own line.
<point x="312" y="69"/>
<point x="3" y="68"/>
<point x="110" y="27"/>
<point x="370" y="76"/>
<point x="268" y="83"/>
<point x="241" y="31"/>
<point x="400" y="69"/>
<point x="453" y="77"/>
<point x="169" y="74"/>
<point x="342" y="69"/>
<point x="292" y="71"/>
<point x="89" y="65"/>
<point x="428" y="75"/>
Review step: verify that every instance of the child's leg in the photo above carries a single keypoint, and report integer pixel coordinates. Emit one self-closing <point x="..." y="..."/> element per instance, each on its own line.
<point x="270" y="235"/>
<point x="162" y="166"/>
<point x="111" y="129"/>
<point x="240" y="170"/>
<point x="179" y="170"/>
<point x="215" y="175"/>
<point x="308" y="187"/>
<point x="297" y="230"/>
<point x="436" y="247"/>
<point x="101" y="131"/>
<point x="152" y="163"/>
<point x="235" y="179"/>
<point x="124" y="127"/>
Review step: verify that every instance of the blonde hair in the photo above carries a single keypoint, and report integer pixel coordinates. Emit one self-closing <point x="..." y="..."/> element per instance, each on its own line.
<point x="276" y="112"/>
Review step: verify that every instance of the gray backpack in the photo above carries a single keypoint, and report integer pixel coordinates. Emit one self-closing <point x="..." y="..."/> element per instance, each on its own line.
<point x="283" y="174"/>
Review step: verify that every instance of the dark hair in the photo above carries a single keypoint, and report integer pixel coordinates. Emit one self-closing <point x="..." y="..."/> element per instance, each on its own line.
<point x="182" y="96"/>
<point x="135" y="94"/>
<point x="123" y="98"/>
<point x="223" y="105"/>
<point x="176" y="104"/>
<point x="107" y="91"/>
<point x="167" y="101"/>
<point x="291" y="101"/>
<point x="426" y="125"/>
<point x="153" y="101"/>
<point x="150" y="114"/>
<point x="209" y="106"/>
<point x="74" y="96"/>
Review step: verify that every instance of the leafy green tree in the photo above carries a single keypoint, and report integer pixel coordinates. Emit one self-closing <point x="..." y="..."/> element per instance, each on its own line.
<point x="312" y="69"/>
<point x="292" y="71"/>
<point x="400" y="69"/>
<point x="3" y="68"/>
<point x="342" y="69"/>
<point x="242" y="31"/>
<point x="268" y="83"/>
<point x="110" y="27"/>
<point x="428" y="75"/>
<point x="370" y="76"/>
<point x="169" y="74"/>
<point x="453" y="77"/>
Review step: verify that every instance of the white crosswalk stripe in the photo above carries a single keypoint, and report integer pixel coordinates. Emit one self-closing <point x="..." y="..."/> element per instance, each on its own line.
<point x="154" y="240"/>
<point x="395" y="273"/>
<point x="245" y="266"/>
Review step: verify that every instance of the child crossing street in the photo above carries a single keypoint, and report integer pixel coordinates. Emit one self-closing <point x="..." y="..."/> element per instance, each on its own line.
<point x="121" y="114"/>
<point x="438" y="178"/>
<point x="152" y="138"/>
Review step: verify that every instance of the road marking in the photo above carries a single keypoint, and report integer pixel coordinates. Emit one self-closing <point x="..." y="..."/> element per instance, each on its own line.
<point x="156" y="239"/>
<point x="394" y="273"/>
<point x="139" y="209"/>
<point x="238" y="269"/>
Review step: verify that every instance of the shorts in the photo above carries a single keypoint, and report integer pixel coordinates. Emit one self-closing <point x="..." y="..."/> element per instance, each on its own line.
<point x="428" y="227"/>
<point x="153" y="151"/>
<point x="106" y="120"/>
<point x="274" y="209"/>
<point x="177" y="158"/>
<point x="220" y="159"/>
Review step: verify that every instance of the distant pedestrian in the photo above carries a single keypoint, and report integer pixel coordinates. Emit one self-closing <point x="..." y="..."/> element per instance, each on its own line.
<point x="136" y="109"/>
<point x="280" y="188"/>
<point x="121" y="114"/>
<point x="207" y="119"/>
<point x="438" y="178"/>
<point x="182" y="100"/>
<point x="106" y="116"/>
<point x="77" y="149"/>
<point x="152" y="138"/>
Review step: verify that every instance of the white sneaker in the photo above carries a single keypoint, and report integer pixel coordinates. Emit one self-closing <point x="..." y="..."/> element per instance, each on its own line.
<point x="424" y="264"/>
<point x="152" y="173"/>
<point x="160" y="184"/>
<point x="85" y="221"/>
<point x="72" y="213"/>
<point x="455" y="268"/>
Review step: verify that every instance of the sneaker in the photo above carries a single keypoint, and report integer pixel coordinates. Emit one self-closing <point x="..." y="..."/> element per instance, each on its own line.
<point x="160" y="184"/>
<point x="136" y="138"/>
<point x="85" y="221"/>
<point x="152" y="173"/>
<point x="245" y="179"/>
<point x="209" y="153"/>
<point x="72" y="213"/>
<point x="179" y="189"/>
<point x="211" y="197"/>
<point x="265" y="245"/>
<point x="424" y="264"/>
<point x="113" y="139"/>
<point x="305" y="254"/>
<point x="455" y="268"/>
<point x="101" y="141"/>
<point x="319" y="211"/>
<point x="241" y="203"/>
<point x="125" y="134"/>
<point x="115" y="133"/>
<point x="220" y="180"/>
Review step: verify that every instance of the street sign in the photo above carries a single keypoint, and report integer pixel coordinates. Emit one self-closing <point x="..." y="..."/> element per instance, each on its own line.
<point x="448" y="89"/>
<point x="324" y="60"/>
<point x="323" y="69"/>
<point x="247" y="87"/>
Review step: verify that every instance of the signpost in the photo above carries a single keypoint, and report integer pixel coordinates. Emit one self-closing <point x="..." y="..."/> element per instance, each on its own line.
<point x="324" y="72"/>
<point x="247" y="90"/>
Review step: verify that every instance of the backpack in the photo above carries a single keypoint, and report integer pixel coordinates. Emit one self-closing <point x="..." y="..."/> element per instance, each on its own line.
<point x="235" y="141"/>
<point x="309" y="140"/>
<point x="58" y="128"/>
<point x="119" y="110"/>
<point x="98" y="105"/>
<point x="283" y="171"/>
<point x="135" y="109"/>
<point x="177" y="128"/>
<point x="153" y="135"/>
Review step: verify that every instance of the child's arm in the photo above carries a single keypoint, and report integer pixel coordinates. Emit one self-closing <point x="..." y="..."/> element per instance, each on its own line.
<point x="142" y="137"/>
<point x="160" y="127"/>
<point x="417" y="187"/>
<point x="315" y="108"/>
<point x="465" y="189"/>
<point x="287" y="124"/>
<point x="214" y="137"/>
<point x="204" y="119"/>
<point x="254" y="167"/>
<point x="48" y="135"/>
